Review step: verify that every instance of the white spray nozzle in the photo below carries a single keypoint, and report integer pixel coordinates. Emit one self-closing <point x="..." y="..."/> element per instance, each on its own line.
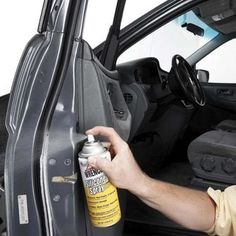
<point x="91" y="138"/>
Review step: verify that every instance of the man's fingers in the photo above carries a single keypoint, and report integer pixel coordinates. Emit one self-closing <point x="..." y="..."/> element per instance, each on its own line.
<point x="110" y="133"/>
<point x="100" y="164"/>
<point x="106" y="144"/>
<point x="109" y="148"/>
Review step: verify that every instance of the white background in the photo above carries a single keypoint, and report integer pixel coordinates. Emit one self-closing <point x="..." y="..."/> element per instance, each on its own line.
<point x="18" y="23"/>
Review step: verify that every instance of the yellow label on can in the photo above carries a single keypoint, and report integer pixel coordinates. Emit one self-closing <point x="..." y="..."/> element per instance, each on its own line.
<point x="102" y="197"/>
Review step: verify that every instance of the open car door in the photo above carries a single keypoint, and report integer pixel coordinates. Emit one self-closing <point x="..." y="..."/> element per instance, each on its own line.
<point x="60" y="90"/>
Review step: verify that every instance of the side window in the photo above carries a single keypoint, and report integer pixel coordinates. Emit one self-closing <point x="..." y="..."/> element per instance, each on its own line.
<point x="97" y="23"/>
<point x="221" y="63"/>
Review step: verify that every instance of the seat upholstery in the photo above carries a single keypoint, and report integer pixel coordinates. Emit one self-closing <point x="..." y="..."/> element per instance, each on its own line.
<point x="213" y="156"/>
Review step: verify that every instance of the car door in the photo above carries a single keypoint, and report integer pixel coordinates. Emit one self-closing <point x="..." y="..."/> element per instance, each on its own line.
<point x="60" y="90"/>
<point x="220" y="89"/>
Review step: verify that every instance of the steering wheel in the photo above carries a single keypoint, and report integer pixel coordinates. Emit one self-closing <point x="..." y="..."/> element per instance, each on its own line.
<point x="183" y="82"/>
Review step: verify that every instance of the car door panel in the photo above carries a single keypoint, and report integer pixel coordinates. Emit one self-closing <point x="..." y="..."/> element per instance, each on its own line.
<point x="22" y="123"/>
<point x="84" y="102"/>
<point x="101" y="102"/>
<point x="33" y="83"/>
<point x="220" y="105"/>
<point x="60" y="90"/>
<point x="102" y="95"/>
<point x="221" y="95"/>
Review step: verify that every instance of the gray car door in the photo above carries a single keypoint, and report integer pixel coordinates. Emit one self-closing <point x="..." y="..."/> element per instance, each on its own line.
<point x="60" y="90"/>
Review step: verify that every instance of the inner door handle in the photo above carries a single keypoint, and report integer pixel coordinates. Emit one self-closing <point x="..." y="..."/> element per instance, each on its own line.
<point x="225" y="92"/>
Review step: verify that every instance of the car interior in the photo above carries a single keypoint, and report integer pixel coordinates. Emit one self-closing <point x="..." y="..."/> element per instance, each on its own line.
<point x="180" y="128"/>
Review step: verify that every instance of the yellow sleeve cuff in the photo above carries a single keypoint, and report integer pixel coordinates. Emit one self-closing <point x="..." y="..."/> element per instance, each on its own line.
<point x="225" y="218"/>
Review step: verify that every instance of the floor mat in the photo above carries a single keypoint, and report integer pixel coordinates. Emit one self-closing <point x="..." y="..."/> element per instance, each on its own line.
<point x="136" y="229"/>
<point x="179" y="173"/>
<point x="140" y="213"/>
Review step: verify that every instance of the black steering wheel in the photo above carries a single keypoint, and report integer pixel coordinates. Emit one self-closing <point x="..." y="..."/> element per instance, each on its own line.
<point x="183" y="82"/>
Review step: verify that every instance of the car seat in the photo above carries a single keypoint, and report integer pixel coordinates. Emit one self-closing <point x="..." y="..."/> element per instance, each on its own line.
<point x="213" y="156"/>
<point x="227" y="125"/>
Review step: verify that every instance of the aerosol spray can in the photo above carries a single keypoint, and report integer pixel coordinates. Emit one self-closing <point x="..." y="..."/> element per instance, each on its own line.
<point x="102" y="197"/>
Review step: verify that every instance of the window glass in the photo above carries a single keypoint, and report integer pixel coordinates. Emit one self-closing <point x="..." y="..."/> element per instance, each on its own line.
<point x="169" y="40"/>
<point x="18" y="23"/>
<point x="99" y="18"/>
<point x="134" y="9"/>
<point x="221" y="63"/>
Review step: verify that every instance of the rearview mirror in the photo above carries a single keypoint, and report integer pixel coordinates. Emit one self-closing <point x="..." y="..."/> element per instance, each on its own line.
<point x="203" y="76"/>
<point x="196" y="30"/>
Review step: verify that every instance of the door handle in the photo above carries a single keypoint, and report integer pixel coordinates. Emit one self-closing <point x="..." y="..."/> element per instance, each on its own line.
<point x="225" y="92"/>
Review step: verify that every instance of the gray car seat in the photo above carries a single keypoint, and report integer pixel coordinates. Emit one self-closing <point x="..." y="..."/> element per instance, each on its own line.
<point x="213" y="156"/>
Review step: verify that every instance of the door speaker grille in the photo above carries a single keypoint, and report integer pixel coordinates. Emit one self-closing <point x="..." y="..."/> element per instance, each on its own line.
<point x="128" y="98"/>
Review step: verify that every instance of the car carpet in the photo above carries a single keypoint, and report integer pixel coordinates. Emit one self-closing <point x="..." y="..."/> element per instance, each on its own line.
<point x="138" y="212"/>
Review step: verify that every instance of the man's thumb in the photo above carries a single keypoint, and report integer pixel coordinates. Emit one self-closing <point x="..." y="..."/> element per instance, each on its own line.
<point x="100" y="164"/>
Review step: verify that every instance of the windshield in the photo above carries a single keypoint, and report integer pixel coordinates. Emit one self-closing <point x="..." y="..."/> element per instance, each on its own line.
<point x="171" y="39"/>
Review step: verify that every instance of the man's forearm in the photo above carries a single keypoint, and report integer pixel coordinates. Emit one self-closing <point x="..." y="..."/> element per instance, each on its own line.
<point x="190" y="208"/>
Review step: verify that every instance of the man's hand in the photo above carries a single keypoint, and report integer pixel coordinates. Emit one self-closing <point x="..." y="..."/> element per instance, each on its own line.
<point x="123" y="171"/>
<point x="190" y="208"/>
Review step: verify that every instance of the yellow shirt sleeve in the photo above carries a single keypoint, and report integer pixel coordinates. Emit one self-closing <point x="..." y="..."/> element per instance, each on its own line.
<point x="225" y="221"/>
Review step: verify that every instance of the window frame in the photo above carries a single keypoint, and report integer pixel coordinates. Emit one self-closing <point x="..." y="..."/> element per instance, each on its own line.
<point x="145" y="25"/>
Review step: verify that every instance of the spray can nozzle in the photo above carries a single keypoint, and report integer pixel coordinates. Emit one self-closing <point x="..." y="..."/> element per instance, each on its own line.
<point x="91" y="138"/>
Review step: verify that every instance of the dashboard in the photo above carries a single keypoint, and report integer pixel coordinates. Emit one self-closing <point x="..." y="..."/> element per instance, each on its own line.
<point x="146" y="73"/>
<point x="144" y="86"/>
